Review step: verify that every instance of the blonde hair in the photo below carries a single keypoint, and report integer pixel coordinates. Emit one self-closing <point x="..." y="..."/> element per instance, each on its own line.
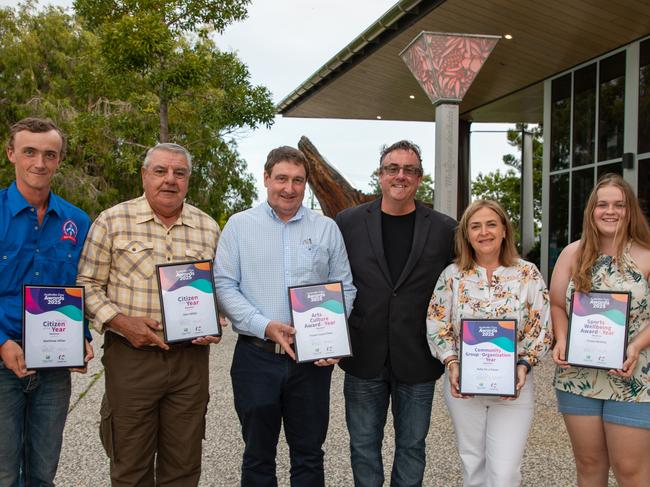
<point x="635" y="227"/>
<point x="465" y="255"/>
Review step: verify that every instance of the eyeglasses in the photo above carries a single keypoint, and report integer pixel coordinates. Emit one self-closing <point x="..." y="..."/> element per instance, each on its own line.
<point x="394" y="169"/>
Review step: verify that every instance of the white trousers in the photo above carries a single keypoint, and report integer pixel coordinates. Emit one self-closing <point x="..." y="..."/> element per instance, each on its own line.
<point x="491" y="435"/>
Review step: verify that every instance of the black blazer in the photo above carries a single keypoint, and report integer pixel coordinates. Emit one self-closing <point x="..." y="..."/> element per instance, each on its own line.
<point x="389" y="318"/>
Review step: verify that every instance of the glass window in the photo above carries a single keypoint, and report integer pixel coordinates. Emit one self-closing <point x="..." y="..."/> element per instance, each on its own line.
<point x="582" y="182"/>
<point x="560" y="122"/>
<point x="644" y="98"/>
<point x="558" y="233"/>
<point x="615" y="167"/>
<point x="611" y="107"/>
<point x="644" y="186"/>
<point x="584" y="111"/>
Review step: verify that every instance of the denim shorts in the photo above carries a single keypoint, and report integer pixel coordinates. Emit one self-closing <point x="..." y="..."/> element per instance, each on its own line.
<point x="634" y="414"/>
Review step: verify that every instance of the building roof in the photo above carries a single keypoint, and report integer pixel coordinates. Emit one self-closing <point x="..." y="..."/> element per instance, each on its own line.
<point x="367" y="79"/>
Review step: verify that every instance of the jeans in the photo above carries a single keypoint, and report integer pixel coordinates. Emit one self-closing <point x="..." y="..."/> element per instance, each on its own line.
<point x="270" y="389"/>
<point x="33" y="411"/>
<point x="366" y="407"/>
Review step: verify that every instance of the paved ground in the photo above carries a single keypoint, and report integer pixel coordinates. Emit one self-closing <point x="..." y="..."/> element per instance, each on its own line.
<point x="548" y="461"/>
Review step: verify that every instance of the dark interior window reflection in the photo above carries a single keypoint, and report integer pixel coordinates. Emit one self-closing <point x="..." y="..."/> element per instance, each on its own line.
<point x="560" y="122"/>
<point x="644" y="98"/>
<point x="582" y="184"/>
<point x="615" y="167"/>
<point x="558" y="232"/>
<point x="611" y="107"/>
<point x="584" y="110"/>
<point x="643" y="184"/>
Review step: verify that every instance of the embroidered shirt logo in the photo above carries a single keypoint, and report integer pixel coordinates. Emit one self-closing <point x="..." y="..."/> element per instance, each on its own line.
<point x="70" y="231"/>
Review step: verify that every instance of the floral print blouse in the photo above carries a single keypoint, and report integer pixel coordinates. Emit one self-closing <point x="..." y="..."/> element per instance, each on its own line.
<point x="609" y="274"/>
<point x="516" y="292"/>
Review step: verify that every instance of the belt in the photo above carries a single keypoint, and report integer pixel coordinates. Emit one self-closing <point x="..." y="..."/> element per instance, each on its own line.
<point x="173" y="347"/>
<point x="266" y="345"/>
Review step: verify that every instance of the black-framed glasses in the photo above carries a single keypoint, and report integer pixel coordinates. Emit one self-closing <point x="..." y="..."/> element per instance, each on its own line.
<point x="394" y="169"/>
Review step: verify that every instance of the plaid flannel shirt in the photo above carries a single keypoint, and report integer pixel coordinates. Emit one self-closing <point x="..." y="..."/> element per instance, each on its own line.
<point x="117" y="266"/>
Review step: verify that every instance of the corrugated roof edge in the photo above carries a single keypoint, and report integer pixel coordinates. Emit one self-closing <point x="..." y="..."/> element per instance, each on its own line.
<point x="403" y="14"/>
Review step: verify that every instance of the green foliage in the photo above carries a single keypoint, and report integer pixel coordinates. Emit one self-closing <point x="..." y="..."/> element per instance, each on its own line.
<point x="110" y="101"/>
<point x="506" y="187"/>
<point x="424" y="192"/>
<point x="178" y="15"/>
<point x="501" y="187"/>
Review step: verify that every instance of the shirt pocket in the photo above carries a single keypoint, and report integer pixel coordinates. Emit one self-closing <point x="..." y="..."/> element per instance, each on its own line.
<point x="134" y="259"/>
<point x="10" y="267"/>
<point x="199" y="253"/>
<point x="66" y="263"/>
<point x="313" y="264"/>
<point x="7" y="257"/>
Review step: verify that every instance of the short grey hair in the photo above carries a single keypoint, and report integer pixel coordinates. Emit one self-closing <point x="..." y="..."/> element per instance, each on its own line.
<point x="169" y="147"/>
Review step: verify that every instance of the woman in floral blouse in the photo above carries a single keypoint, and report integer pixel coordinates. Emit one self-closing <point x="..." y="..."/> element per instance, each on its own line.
<point x="607" y="413"/>
<point x="489" y="280"/>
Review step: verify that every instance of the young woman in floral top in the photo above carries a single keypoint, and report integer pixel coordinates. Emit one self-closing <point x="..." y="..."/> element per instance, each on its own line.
<point x="607" y="413"/>
<point x="489" y="280"/>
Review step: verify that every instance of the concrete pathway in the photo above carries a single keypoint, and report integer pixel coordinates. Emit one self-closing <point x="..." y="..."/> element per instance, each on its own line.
<point x="548" y="461"/>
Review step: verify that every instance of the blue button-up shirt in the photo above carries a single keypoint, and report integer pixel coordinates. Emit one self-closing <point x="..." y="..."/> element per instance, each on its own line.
<point x="259" y="256"/>
<point x="30" y="253"/>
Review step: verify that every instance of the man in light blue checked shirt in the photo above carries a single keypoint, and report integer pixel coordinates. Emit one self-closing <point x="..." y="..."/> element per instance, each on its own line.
<point x="263" y="251"/>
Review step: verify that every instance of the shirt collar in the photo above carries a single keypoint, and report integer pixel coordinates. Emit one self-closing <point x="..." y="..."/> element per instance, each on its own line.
<point x="271" y="212"/>
<point x="18" y="203"/>
<point x="144" y="213"/>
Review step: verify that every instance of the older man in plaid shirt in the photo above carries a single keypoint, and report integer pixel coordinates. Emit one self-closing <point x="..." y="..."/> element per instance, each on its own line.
<point x="153" y="411"/>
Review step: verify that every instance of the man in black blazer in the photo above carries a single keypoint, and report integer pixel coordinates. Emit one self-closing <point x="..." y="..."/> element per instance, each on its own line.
<point x="397" y="248"/>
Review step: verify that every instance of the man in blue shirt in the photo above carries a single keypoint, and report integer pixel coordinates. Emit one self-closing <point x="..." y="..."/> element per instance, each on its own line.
<point x="262" y="251"/>
<point x="41" y="236"/>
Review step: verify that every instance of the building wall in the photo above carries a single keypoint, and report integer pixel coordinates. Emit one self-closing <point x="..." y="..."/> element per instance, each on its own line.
<point x="593" y="115"/>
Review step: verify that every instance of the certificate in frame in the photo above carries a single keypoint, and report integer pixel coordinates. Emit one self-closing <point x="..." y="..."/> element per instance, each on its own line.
<point x="319" y="316"/>
<point x="188" y="302"/>
<point x="488" y="357"/>
<point x="598" y="327"/>
<point x="53" y="326"/>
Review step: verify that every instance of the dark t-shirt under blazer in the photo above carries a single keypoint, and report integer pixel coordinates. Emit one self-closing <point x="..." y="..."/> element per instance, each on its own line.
<point x="388" y="320"/>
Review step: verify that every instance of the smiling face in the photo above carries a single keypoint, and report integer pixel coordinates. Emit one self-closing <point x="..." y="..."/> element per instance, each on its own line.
<point x="165" y="181"/>
<point x="285" y="188"/>
<point x="610" y="213"/>
<point x="398" y="190"/>
<point x="486" y="232"/>
<point x="36" y="157"/>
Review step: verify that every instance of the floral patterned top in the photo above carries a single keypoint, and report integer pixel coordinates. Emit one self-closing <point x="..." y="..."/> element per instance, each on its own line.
<point x="516" y="292"/>
<point x="607" y="274"/>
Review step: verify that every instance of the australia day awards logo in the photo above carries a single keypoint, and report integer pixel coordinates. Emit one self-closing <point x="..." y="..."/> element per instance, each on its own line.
<point x="186" y="274"/>
<point x="599" y="302"/>
<point x="316" y="296"/>
<point x="69" y="231"/>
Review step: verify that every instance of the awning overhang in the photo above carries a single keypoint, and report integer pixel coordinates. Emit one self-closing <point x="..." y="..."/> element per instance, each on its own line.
<point x="367" y="79"/>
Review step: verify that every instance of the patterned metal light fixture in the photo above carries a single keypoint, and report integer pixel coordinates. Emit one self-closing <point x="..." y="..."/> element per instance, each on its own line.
<point x="445" y="65"/>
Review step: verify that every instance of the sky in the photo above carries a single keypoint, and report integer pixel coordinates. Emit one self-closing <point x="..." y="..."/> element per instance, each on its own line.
<point x="283" y="42"/>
